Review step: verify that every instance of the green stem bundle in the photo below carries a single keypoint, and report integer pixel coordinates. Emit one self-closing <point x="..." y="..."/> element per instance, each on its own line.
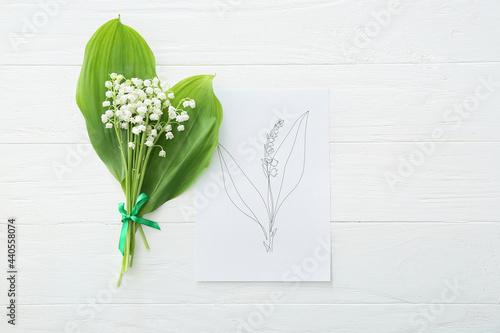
<point x="136" y="161"/>
<point x="136" y="166"/>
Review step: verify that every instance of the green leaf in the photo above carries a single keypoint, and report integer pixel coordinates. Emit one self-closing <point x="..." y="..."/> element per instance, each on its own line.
<point x="114" y="48"/>
<point x="189" y="153"/>
<point x="117" y="48"/>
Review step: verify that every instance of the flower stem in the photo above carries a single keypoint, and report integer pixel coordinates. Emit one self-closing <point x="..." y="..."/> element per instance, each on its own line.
<point x="129" y="199"/>
<point x="119" y="279"/>
<point x="144" y="237"/>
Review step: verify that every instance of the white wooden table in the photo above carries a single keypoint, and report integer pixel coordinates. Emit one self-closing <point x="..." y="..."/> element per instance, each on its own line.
<point x="415" y="186"/>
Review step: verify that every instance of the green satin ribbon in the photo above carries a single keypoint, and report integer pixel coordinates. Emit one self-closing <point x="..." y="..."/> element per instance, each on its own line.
<point x="141" y="200"/>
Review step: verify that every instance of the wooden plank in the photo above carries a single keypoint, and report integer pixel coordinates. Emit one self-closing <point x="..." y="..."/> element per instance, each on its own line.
<point x="260" y="318"/>
<point x="370" y="182"/>
<point x="228" y="32"/>
<point x="384" y="103"/>
<point x="372" y="263"/>
<point x="420" y="181"/>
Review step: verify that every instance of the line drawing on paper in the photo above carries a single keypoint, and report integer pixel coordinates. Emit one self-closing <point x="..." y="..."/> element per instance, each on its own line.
<point x="283" y="166"/>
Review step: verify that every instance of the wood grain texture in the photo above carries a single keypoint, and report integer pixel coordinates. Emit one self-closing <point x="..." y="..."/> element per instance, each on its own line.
<point x="372" y="263"/>
<point x="370" y="182"/>
<point x="382" y="103"/>
<point x="223" y="318"/>
<point x="414" y="146"/>
<point x="262" y="32"/>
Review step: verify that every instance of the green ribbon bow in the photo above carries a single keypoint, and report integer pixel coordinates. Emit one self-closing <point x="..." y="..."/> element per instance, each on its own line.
<point x="141" y="200"/>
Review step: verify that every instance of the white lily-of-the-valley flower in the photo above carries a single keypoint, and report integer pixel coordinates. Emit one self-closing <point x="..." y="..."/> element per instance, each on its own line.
<point x="137" y="107"/>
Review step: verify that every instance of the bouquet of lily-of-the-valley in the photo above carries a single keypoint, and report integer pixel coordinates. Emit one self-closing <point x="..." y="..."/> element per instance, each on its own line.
<point x="154" y="139"/>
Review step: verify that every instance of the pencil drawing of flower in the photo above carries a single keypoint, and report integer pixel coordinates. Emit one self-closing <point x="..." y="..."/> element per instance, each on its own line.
<point x="283" y="163"/>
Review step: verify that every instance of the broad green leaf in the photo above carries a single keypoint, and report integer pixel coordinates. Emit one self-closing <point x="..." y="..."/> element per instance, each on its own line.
<point x="114" y="48"/>
<point x="189" y="153"/>
<point x="117" y="48"/>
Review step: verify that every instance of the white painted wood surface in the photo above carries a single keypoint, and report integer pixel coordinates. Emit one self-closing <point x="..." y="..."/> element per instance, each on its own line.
<point x="415" y="217"/>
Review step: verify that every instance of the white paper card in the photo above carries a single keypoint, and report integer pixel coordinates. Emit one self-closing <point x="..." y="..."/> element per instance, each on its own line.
<point x="263" y="205"/>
